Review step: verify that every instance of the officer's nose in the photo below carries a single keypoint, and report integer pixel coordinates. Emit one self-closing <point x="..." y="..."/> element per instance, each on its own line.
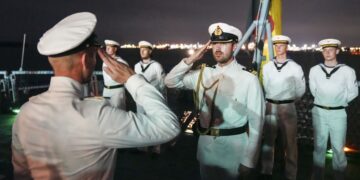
<point x="216" y="46"/>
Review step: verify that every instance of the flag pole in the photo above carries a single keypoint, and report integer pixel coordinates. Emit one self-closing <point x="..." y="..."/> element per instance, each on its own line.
<point x="23" y="52"/>
<point x="259" y="26"/>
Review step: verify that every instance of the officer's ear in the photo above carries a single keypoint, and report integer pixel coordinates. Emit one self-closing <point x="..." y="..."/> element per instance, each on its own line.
<point x="234" y="46"/>
<point x="337" y="51"/>
<point x="85" y="60"/>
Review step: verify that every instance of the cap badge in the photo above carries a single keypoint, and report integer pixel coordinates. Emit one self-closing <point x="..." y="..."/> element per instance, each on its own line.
<point x="218" y="31"/>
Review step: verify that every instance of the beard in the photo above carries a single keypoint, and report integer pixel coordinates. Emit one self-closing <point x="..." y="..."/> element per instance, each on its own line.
<point x="221" y="57"/>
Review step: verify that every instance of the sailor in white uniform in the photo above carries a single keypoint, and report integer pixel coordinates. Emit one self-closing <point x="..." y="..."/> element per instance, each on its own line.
<point x="149" y="68"/>
<point x="284" y="83"/>
<point x="60" y="135"/>
<point x="333" y="86"/>
<point x="153" y="73"/>
<point x="112" y="89"/>
<point x="231" y="106"/>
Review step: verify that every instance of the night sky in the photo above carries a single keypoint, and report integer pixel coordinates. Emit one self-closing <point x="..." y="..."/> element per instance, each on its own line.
<point x="176" y="21"/>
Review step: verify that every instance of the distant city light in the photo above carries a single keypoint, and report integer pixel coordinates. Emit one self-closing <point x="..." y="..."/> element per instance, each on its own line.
<point x="250" y="46"/>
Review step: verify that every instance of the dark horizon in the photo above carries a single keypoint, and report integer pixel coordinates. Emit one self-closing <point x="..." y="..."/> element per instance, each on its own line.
<point x="187" y="21"/>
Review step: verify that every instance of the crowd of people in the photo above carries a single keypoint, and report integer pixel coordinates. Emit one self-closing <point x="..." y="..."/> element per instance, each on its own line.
<point x="60" y="134"/>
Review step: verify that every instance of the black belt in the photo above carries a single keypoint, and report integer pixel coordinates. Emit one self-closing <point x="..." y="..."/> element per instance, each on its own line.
<point x="329" y="108"/>
<point x="221" y="132"/>
<point x="114" y="87"/>
<point x="280" y="102"/>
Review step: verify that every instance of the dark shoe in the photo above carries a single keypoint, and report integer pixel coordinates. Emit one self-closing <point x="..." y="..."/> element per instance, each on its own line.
<point x="265" y="177"/>
<point x="339" y="175"/>
<point x="318" y="173"/>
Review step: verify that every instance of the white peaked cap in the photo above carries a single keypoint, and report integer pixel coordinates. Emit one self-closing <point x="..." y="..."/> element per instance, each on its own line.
<point x="281" y="39"/>
<point x="68" y="34"/>
<point x="329" y="43"/>
<point x="222" y="32"/>
<point x="145" y="44"/>
<point x="109" y="42"/>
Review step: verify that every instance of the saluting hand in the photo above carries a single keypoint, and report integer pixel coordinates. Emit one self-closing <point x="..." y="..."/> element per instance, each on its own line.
<point x="198" y="54"/>
<point x="118" y="71"/>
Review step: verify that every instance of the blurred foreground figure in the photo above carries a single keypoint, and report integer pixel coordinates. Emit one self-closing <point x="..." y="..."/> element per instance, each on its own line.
<point x="60" y="135"/>
<point x="333" y="86"/>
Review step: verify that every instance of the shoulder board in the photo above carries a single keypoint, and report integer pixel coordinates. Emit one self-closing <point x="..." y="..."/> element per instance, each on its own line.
<point x="250" y="70"/>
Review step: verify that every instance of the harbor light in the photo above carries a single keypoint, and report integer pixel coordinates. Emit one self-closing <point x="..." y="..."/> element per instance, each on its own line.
<point x="15" y="111"/>
<point x="191" y="51"/>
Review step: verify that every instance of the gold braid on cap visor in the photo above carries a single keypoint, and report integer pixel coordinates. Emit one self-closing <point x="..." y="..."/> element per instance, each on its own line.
<point x="223" y="37"/>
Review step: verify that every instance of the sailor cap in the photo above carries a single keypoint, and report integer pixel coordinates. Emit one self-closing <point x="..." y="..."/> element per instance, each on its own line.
<point x="281" y="39"/>
<point x="222" y="32"/>
<point x="109" y="42"/>
<point x="145" y="44"/>
<point x="329" y="43"/>
<point x="72" y="34"/>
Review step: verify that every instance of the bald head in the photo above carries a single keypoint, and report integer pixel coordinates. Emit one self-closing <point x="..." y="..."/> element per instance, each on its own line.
<point x="78" y="66"/>
<point x="65" y="63"/>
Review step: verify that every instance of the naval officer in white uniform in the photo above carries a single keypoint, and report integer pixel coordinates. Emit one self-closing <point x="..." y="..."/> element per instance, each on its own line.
<point x="112" y="89"/>
<point x="60" y="135"/>
<point x="231" y="105"/>
<point x="284" y="83"/>
<point x="333" y="86"/>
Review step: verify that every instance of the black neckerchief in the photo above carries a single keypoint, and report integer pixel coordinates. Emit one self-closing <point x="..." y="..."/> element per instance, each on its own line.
<point x="144" y="69"/>
<point x="282" y="65"/>
<point x="328" y="75"/>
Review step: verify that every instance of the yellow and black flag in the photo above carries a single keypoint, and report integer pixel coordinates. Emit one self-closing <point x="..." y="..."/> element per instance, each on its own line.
<point x="275" y="19"/>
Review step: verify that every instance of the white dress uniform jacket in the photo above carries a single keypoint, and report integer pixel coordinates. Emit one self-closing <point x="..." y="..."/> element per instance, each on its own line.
<point x="153" y="73"/>
<point x="282" y="82"/>
<point x="117" y="95"/>
<point x="337" y="90"/>
<point x="287" y="83"/>
<point x="60" y="135"/>
<point x="239" y="100"/>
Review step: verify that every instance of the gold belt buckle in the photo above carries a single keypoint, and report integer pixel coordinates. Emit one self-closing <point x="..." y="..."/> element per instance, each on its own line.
<point x="215" y="132"/>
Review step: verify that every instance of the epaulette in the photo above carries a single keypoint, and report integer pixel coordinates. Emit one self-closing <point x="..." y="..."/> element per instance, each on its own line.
<point x="250" y="70"/>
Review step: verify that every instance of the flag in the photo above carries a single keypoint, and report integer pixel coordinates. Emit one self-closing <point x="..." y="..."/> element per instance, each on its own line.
<point x="275" y="19"/>
<point x="275" y="16"/>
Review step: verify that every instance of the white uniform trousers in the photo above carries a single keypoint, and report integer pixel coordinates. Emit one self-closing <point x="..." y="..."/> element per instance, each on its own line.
<point x="284" y="118"/>
<point x="117" y="97"/>
<point x="220" y="157"/>
<point x="325" y="123"/>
